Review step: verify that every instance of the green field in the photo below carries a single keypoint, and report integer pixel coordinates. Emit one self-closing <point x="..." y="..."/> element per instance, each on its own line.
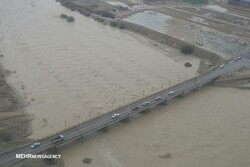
<point x="196" y="1"/>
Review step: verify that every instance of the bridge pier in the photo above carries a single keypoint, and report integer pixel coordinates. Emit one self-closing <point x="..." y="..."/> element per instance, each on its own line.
<point x="146" y="110"/>
<point x="127" y="119"/>
<point x="104" y="129"/>
<point x="181" y="95"/>
<point x="164" y="102"/>
<point x="80" y="139"/>
<point x="212" y="82"/>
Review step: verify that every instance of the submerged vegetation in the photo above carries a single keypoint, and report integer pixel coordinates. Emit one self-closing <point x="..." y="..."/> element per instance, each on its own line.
<point x="69" y="18"/>
<point x="87" y="160"/>
<point x="188" y="64"/>
<point x="63" y="16"/>
<point x="5" y="136"/>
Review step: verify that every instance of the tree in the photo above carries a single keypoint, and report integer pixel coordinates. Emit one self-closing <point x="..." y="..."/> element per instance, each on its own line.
<point x="64" y="16"/>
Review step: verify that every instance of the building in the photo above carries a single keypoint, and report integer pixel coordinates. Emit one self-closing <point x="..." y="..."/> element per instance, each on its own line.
<point x="245" y="3"/>
<point x="242" y="3"/>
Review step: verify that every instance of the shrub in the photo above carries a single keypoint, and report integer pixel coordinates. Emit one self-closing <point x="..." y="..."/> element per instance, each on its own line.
<point x="188" y="64"/>
<point x="5" y="136"/>
<point x="186" y="49"/>
<point x="107" y="14"/>
<point x="87" y="160"/>
<point x="114" y="24"/>
<point x="70" y="19"/>
<point x="63" y="16"/>
<point x="121" y="26"/>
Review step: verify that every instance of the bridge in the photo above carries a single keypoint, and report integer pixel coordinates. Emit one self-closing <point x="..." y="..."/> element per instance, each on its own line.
<point x="9" y="158"/>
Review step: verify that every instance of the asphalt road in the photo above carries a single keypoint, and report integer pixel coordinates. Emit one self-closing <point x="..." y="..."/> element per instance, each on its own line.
<point x="9" y="158"/>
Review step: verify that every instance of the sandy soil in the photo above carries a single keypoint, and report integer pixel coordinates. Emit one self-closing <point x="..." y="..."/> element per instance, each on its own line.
<point x="72" y="72"/>
<point x="207" y="128"/>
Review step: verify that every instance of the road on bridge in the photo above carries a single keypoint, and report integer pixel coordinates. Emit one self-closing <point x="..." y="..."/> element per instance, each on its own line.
<point x="9" y="158"/>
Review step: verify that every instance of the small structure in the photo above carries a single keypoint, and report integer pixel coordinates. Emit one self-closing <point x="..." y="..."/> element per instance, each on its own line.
<point x="242" y="3"/>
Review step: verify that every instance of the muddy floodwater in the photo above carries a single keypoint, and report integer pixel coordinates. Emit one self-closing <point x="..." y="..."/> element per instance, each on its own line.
<point x="206" y="128"/>
<point x="72" y="72"/>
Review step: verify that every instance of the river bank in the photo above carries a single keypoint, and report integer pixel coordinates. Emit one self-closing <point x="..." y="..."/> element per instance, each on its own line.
<point x="14" y="124"/>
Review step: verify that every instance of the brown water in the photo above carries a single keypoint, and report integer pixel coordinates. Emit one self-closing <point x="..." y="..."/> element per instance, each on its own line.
<point x="207" y="128"/>
<point x="71" y="72"/>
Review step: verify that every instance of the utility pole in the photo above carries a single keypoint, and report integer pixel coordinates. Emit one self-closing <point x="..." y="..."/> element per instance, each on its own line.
<point x="52" y="131"/>
<point x="246" y="27"/>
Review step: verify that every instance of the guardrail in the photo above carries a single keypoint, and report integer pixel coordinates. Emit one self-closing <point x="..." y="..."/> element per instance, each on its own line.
<point x="85" y="132"/>
<point x="132" y="113"/>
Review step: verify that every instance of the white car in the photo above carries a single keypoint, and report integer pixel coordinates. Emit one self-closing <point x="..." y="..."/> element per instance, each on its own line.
<point x="171" y="92"/>
<point x="239" y="57"/>
<point x="236" y="58"/>
<point x="35" y="145"/>
<point x="115" y="115"/>
<point x="222" y="66"/>
<point x="157" y="98"/>
<point x="145" y="103"/>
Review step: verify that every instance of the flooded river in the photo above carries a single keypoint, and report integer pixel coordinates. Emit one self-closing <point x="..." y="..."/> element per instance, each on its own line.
<point x="72" y="72"/>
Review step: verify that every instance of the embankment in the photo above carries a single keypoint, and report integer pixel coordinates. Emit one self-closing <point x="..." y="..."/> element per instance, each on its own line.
<point x="172" y="42"/>
<point x="157" y="36"/>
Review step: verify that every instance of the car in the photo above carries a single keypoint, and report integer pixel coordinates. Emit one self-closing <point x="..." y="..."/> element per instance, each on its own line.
<point x="145" y="103"/>
<point x="236" y="58"/>
<point x="57" y="139"/>
<point x="115" y="115"/>
<point x="35" y="145"/>
<point x="158" y="98"/>
<point x="222" y="66"/>
<point x="135" y="108"/>
<point x="239" y="57"/>
<point x="170" y="92"/>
